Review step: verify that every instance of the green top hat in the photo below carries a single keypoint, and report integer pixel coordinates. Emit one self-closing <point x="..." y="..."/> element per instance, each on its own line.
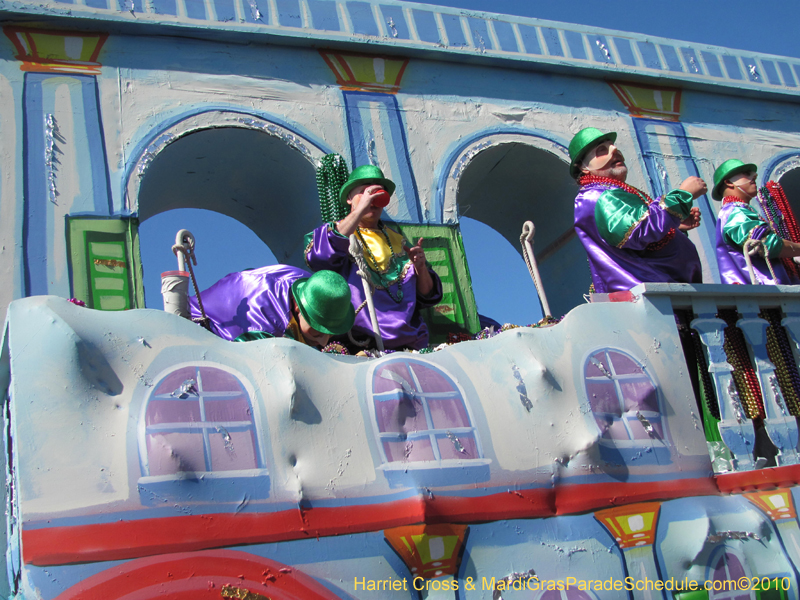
<point x="324" y="301"/>
<point x="585" y="140"/>
<point x="364" y="175"/>
<point x="727" y="170"/>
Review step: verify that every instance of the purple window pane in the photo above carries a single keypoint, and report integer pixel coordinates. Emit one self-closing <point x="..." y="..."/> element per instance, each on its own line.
<point x="217" y="380"/>
<point x="603" y="397"/>
<point x="174" y="380"/>
<point x="448" y="412"/>
<point x="234" y="409"/>
<point x="735" y="568"/>
<point x="173" y="411"/>
<point x="448" y="447"/>
<point x="431" y="380"/>
<point x="382" y="382"/>
<point x="238" y="454"/>
<point x="612" y="429"/>
<point x="169" y="453"/>
<point x="624" y="365"/>
<point x="639" y="395"/>
<point x="418" y="450"/>
<point x="593" y="370"/>
<point x="638" y="430"/>
<point x="400" y="415"/>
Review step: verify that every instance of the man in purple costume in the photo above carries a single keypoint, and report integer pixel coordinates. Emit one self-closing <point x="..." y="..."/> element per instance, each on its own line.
<point x="278" y="301"/>
<point x="629" y="237"/>
<point x="735" y="185"/>
<point x="403" y="282"/>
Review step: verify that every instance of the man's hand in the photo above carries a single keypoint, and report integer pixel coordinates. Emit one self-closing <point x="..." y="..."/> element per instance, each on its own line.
<point x="361" y="209"/>
<point x="692" y="221"/>
<point x="695" y="186"/>
<point x="417" y="256"/>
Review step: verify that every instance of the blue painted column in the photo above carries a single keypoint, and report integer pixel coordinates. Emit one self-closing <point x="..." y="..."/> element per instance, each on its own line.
<point x="64" y="157"/>
<point x="374" y="124"/>
<point x="668" y="158"/>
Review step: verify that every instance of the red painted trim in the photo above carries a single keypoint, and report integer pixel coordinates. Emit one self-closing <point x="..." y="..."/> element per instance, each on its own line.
<point x="100" y="43"/>
<point x="761" y="479"/>
<point x="119" y="540"/>
<point x="198" y="575"/>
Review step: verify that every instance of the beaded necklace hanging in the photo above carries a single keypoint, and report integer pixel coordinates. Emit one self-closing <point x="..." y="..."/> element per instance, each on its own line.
<point x="780" y="217"/>
<point x="597" y="180"/>
<point x="332" y="174"/>
<point x="608" y="181"/>
<point x="384" y="282"/>
<point x="734" y="200"/>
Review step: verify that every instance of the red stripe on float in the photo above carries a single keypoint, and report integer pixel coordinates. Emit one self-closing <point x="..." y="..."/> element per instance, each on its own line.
<point x="120" y="540"/>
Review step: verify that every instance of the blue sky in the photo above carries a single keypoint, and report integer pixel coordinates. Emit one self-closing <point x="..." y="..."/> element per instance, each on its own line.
<point x="505" y="294"/>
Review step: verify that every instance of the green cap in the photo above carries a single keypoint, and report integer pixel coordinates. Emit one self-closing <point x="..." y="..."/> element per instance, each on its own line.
<point x="365" y="175"/>
<point x="585" y="140"/>
<point x="324" y="301"/>
<point x="727" y="170"/>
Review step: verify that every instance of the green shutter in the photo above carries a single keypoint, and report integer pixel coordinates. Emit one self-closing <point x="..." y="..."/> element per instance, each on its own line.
<point x="444" y="250"/>
<point x="105" y="263"/>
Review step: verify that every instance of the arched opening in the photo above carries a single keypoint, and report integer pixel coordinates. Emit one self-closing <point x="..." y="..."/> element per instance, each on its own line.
<point x="253" y="177"/>
<point x="510" y="183"/>
<point x="501" y="284"/>
<point x="790" y="181"/>
<point x="216" y="237"/>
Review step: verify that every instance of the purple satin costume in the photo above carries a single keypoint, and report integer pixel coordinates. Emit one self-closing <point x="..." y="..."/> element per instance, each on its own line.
<point x="616" y="269"/>
<point x="400" y="323"/>
<point x="731" y="262"/>
<point x="255" y="300"/>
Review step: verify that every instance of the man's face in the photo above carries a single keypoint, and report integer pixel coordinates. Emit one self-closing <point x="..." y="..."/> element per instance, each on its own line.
<point x="311" y="335"/>
<point x="366" y="193"/>
<point x="746" y="182"/>
<point x="604" y="160"/>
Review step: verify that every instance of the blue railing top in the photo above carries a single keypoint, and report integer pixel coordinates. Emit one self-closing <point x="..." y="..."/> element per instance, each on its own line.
<point x="444" y="31"/>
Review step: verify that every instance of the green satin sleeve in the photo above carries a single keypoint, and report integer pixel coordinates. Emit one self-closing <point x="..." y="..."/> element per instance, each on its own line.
<point x="678" y="203"/>
<point x="618" y="212"/>
<point x="741" y="222"/>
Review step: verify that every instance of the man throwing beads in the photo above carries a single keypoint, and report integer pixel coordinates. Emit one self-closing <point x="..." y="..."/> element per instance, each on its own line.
<point x="629" y="237"/>
<point x="735" y="185"/>
<point x="402" y="280"/>
<point x="277" y="301"/>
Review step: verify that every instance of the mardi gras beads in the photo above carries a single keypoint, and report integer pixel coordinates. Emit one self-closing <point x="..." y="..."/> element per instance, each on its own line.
<point x="778" y="212"/>
<point x="780" y="354"/>
<point x="707" y="394"/>
<point x="332" y="174"/>
<point x="744" y="376"/>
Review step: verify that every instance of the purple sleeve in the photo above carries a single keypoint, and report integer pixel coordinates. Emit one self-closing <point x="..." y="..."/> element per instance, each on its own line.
<point x="326" y="249"/>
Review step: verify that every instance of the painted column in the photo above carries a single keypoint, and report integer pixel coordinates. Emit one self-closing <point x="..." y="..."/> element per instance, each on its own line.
<point x="668" y="157"/>
<point x="735" y="429"/>
<point x="634" y="529"/>
<point x="65" y="167"/>
<point x="781" y="426"/>
<point x="376" y="131"/>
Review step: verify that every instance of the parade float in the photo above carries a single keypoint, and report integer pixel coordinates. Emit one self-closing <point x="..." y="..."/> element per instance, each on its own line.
<point x="645" y="446"/>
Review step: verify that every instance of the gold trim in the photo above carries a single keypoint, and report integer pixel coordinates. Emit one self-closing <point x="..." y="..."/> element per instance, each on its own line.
<point x="634" y="226"/>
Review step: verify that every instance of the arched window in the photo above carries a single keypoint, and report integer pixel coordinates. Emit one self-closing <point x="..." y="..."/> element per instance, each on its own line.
<point x="423" y="422"/>
<point x="729" y="568"/>
<point x="198" y="420"/>
<point x="624" y="402"/>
